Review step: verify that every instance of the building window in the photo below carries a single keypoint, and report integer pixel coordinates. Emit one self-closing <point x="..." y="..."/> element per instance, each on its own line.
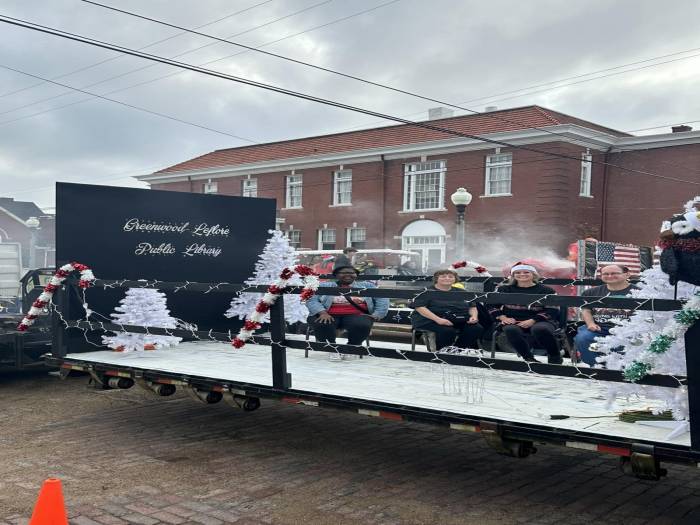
<point x="293" y="191"/>
<point x="424" y="185"/>
<point x="342" y="187"/>
<point x="357" y="238"/>
<point x="326" y="239"/>
<point x="294" y="237"/>
<point x="249" y="187"/>
<point x="498" y="173"/>
<point x="210" y="187"/>
<point x="586" y="166"/>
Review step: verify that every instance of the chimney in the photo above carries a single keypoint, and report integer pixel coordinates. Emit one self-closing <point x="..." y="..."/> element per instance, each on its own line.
<point x="440" y="112"/>
<point x="489" y="109"/>
<point x="681" y="128"/>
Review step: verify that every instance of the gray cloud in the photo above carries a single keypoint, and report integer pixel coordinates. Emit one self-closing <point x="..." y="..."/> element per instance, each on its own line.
<point x="455" y="51"/>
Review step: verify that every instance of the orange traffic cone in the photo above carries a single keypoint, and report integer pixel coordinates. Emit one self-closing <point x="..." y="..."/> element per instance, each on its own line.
<point x="49" y="508"/>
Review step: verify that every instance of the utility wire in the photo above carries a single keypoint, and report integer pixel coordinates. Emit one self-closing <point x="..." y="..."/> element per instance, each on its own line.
<point x="354" y="77"/>
<point x="175" y="73"/>
<point x="148" y="66"/>
<point x="110" y="59"/>
<point x="304" y="96"/>
<point x="131" y="106"/>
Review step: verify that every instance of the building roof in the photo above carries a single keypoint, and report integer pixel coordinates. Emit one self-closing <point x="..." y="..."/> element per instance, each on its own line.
<point x="20" y="209"/>
<point x="514" y="119"/>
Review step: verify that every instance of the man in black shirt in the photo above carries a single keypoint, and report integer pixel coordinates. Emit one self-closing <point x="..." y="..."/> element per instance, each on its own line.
<point x="599" y="321"/>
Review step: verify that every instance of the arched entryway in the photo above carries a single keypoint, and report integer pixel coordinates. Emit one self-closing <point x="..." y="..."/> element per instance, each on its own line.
<point x="427" y="238"/>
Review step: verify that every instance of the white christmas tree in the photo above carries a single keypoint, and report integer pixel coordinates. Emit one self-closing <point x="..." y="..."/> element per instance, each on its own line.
<point x="276" y="256"/>
<point x="637" y="335"/>
<point x="142" y="307"/>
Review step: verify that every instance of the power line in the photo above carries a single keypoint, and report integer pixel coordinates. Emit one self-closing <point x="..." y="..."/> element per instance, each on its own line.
<point x="303" y="96"/>
<point x="148" y="66"/>
<point x="354" y="77"/>
<point x="138" y="84"/>
<point x="664" y="126"/>
<point x="125" y="104"/>
<point x="110" y="59"/>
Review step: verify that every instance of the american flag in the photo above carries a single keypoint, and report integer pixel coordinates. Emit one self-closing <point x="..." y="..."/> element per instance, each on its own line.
<point x="611" y="253"/>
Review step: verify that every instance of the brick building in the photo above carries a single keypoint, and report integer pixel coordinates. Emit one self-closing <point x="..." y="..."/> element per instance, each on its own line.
<point x="390" y="187"/>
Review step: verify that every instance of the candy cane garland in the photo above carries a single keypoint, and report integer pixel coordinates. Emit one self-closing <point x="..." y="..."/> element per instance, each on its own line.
<point x="474" y="266"/>
<point x="86" y="280"/>
<point x="254" y="319"/>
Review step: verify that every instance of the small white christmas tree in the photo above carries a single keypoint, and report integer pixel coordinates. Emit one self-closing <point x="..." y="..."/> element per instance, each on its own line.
<point x="142" y="307"/>
<point x="635" y="336"/>
<point x="276" y="256"/>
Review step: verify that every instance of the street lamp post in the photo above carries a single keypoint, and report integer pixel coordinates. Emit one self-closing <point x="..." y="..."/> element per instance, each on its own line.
<point x="461" y="199"/>
<point x="33" y="225"/>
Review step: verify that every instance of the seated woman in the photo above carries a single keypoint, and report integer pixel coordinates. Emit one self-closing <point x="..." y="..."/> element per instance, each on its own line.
<point x="449" y="317"/>
<point x="517" y="320"/>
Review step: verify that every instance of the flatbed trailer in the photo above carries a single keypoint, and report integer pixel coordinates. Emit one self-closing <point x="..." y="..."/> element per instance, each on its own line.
<point x="514" y="405"/>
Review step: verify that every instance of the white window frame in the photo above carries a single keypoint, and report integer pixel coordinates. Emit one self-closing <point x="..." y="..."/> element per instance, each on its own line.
<point x="586" y="171"/>
<point x="412" y="171"/>
<point x="249" y="187"/>
<point x="350" y="233"/>
<point x="342" y="177"/>
<point x="210" y="187"/>
<point x="293" y="182"/>
<point x="494" y="162"/>
<point x="326" y="232"/>
<point x="294" y="237"/>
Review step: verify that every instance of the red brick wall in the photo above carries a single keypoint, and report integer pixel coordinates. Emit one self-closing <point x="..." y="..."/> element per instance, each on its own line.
<point x="638" y="203"/>
<point x="545" y="208"/>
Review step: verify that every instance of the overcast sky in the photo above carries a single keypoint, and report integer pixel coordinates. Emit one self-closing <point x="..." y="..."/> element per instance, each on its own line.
<point x="457" y="51"/>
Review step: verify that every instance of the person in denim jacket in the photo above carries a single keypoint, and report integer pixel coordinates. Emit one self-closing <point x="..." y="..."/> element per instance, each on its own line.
<point x="329" y="313"/>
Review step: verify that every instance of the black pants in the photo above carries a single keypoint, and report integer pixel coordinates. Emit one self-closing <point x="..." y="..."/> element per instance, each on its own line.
<point x="466" y="335"/>
<point x="543" y="334"/>
<point x="356" y="326"/>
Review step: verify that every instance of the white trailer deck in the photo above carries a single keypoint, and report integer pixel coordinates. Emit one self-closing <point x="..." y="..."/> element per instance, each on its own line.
<point x="516" y="397"/>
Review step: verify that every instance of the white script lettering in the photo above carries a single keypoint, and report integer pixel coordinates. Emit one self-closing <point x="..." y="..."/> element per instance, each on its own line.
<point x="204" y="230"/>
<point x="202" y="249"/>
<point x="146" y="248"/>
<point x="135" y="225"/>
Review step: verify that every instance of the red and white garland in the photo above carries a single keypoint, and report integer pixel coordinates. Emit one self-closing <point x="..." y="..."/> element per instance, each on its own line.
<point x="474" y="266"/>
<point x="254" y="319"/>
<point x="86" y="280"/>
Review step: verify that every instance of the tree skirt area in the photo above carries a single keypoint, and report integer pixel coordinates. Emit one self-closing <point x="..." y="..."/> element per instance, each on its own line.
<point x="509" y="396"/>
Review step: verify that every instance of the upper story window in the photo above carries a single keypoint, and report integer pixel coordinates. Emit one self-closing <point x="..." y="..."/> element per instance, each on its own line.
<point x="424" y="185"/>
<point x="326" y="239"/>
<point x="586" y="168"/>
<point x="293" y="199"/>
<point x="249" y="187"/>
<point x="294" y="237"/>
<point x="210" y="187"/>
<point x="342" y="187"/>
<point x="499" y="168"/>
<point x="357" y="238"/>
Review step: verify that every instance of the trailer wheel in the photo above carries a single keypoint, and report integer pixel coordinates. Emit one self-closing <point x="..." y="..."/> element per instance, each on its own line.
<point x="251" y="404"/>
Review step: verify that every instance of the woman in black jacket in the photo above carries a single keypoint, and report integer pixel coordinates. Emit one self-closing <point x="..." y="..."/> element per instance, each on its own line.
<point x="454" y="320"/>
<point x="518" y="320"/>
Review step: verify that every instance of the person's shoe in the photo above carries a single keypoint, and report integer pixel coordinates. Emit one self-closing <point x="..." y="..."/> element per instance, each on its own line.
<point x="530" y="358"/>
<point x="555" y="360"/>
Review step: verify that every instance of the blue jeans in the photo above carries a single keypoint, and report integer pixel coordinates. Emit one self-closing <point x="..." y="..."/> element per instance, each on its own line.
<point x="583" y="340"/>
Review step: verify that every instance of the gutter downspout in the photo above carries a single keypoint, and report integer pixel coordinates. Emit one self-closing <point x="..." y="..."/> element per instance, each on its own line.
<point x="382" y="204"/>
<point x="189" y="179"/>
<point x="604" y="200"/>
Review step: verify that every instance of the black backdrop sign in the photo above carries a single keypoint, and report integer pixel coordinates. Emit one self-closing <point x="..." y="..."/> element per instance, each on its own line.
<point x="127" y="233"/>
